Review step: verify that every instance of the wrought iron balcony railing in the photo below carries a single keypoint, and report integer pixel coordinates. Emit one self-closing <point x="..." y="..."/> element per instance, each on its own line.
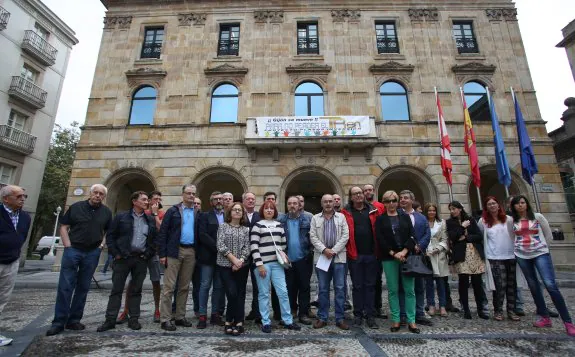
<point x="16" y="140"/>
<point x="28" y="92"/>
<point x="38" y="47"/>
<point x="466" y="45"/>
<point x="387" y="45"/>
<point x="307" y="46"/>
<point x="4" y="17"/>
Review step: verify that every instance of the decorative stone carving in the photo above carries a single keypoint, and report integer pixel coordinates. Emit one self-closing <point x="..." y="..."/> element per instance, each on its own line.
<point x="368" y="153"/>
<point x="473" y="68"/>
<point x="430" y="14"/>
<point x="499" y="14"/>
<point x="145" y="75"/>
<point x="110" y="23"/>
<point x="309" y="67"/>
<point x="298" y="153"/>
<point x="232" y="73"/>
<point x="345" y="153"/>
<point x="273" y="16"/>
<point x="391" y="67"/>
<point x="121" y="22"/>
<point x="124" y="22"/>
<point x="323" y="152"/>
<point x="200" y="19"/>
<point x="345" y="14"/>
<point x="186" y="19"/>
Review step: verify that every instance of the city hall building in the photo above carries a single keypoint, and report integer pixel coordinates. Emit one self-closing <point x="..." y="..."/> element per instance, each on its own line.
<point x="308" y="97"/>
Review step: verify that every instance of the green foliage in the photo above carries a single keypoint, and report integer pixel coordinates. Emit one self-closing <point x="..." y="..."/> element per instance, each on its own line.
<point x="55" y="180"/>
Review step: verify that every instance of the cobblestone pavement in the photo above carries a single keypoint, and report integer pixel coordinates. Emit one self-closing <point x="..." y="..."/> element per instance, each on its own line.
<point x="27" y="316"/>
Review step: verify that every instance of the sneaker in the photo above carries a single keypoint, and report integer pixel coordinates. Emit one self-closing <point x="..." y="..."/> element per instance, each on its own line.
<point x="75" y="326"/>
<point x="202" y="324"/>
<point x="107" y="325"/>
<point x="157" y="316"/>
<point x="134" y="324"/>
<point x="543" y="322"/>
<point x="570" y="328"/>
<point x="184" y="322"/>
<point x="293" y="326"/>
<point x="370" y="322"/>
<point x="5" y="341"/>
<point x="267" y="329"/>
<point x="54" y="330"/>
<point x="168" y="326"/>
<point x="519" y="312"/>
<point x="122" y="318"/>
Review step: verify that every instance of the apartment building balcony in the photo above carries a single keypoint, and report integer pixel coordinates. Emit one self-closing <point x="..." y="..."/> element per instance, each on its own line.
<point x="16" y="140"/>
<point x="27" y="92"/>
<point x="4" y="17"/>
<point x="39" y="48"/>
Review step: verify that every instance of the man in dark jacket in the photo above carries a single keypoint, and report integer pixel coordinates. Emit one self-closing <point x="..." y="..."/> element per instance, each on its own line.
<point x="207" y="254"/>
<point x="177" y="250"/>
<point x="130" y="241"/>
<point x="252" y="216"/>
<point x="14" y="227"/>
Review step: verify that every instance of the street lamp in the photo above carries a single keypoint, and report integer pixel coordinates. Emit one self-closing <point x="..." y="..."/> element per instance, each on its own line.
<point x="57" y="214"/>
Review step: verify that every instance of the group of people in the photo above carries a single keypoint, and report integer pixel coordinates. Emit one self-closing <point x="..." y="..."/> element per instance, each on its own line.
<point x="220" y="249"/>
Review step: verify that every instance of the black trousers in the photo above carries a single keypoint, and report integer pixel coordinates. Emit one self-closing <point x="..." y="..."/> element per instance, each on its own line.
<point x="447" y="292"/>
<point x="235" y="287"/>
<point x="138" y="268"/>
<point x="298" y="285"/>
<point x="477" y="283"/>
<point x="363" y="273"/>
<point x="379" y="287"/>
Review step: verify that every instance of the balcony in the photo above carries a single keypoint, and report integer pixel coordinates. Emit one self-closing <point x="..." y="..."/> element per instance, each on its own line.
<point x="16" y="140"/>
<point x="39" y="48"/>
<point x="4" y="17"/>
<point x="27" y="92"/>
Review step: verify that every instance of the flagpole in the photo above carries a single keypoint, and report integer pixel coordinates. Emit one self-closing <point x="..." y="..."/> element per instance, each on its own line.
<point x="489" y="102"/>
<point x="478" y="191"/>
<point x="441" y="145"/>
<point x="533" y="186"/>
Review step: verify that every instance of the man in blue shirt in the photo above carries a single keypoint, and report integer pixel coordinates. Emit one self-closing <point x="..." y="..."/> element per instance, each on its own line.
<point x="177" y="250"/>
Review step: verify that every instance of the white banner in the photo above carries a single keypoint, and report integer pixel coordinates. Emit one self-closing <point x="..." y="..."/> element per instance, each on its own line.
<point x="281" y="127"/>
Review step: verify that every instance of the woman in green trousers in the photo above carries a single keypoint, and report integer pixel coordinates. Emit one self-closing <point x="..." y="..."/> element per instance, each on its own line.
<point x="394" y="233"/>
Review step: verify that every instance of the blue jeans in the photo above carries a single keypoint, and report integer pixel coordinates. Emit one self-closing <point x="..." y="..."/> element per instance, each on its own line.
<point x="430" y="284"/>
<point x="107" y="263"/>
<point x="337" y="273"/>
<point x="210" y="275"/>
<point x="544" y="265"/>
<point x="76" y="273"/>
<point x="419" y="297"/>
<point x="276" y="275"/>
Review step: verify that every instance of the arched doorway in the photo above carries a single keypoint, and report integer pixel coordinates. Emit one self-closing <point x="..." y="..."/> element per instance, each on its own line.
<point x="310" y="182"/>
<point x="490" y="186"/>
<point x="219" y="179"/>
<point x="123" y="183"/>
<point x="408" y="178"/>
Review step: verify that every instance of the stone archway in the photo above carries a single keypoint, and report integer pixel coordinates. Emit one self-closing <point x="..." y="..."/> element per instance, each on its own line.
<point x="312" y="183"/>
<point x="401" y="178"/>
<point x="219" y="179"/>
<point x="490" y="186"/>
<point x="122" y="183"/>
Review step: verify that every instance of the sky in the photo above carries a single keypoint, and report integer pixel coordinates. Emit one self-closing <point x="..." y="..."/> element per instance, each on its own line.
<point x="540" y="29"/>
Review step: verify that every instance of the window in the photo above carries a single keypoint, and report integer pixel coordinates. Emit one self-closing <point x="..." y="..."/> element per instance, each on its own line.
<point x="6" y="174"/>
<point x="394" y="104"/>
<point x="464" y="37"/>
<point x="386" y="37"/>
<point x="15" y="121"/>
<point x="307" y="38"/>
<point x="309" y="100"/>
<point x="229" y="44"/>
<point x="153" y="38"/>
<point x="40" y="31"/>
<point x="143" y="106"/>
<point x="476" y="100"/>
<point x="28" y="73"/>
<point x="224" y="104"/>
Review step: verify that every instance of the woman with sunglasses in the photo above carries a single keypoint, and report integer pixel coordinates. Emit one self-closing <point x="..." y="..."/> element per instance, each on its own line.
<point x="437" y="253"/>
<point x="233" y="245"/>
<point x="266" y="235"/>
<point x="468" y="256"/>
<point x="394" y="233"/>
<point x="531" y="232"/>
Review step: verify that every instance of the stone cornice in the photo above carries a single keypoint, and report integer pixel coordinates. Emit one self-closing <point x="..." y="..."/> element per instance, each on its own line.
<point x="273" y="16"/>
<point x="146" y="75"/>
<point x="226" y="69"/>
<point x="473" y="68"/>
<point x="506" y="14"/>
<point x="120" y="22"/>
<point x="309" y="68"/>
<point x="421" y="14"/>
<point x="391" y="67"/>
<point x="341" y="15"/>
<point x="188" y="18"/>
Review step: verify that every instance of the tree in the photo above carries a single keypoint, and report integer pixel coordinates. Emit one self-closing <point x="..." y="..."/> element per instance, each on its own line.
<point x="55" y="180"/>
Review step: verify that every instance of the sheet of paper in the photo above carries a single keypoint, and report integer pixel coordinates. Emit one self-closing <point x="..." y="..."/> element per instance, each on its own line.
<point x="323" y="262"/>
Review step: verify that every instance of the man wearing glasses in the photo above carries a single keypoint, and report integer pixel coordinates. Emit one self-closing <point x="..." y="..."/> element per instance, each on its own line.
<point x="177" y="250"/>
<point x="14" y="226"/>
<point x="83" y="228"/>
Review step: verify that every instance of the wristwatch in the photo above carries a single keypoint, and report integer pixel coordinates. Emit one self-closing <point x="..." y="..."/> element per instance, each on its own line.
<point x="154" y="214"/>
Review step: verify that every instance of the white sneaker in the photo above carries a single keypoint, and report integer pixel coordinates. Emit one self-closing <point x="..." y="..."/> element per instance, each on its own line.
<point x="5" y="341"/>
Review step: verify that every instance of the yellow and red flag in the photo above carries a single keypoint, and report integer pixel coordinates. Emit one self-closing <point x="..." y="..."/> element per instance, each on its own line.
<point x="445" y="144"/>
<point x="469" y="143"/>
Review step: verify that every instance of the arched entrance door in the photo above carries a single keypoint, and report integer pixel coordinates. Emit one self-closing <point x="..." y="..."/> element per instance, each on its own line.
<point x="222" y="180"/>
<point x="312" y="184"/>
<point x="123" y="183"/>
<point x="408" y="178"/>
<point x="490" y="186"/>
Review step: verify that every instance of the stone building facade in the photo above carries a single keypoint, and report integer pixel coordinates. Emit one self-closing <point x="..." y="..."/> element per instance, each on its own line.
<point x="184" y="59"/>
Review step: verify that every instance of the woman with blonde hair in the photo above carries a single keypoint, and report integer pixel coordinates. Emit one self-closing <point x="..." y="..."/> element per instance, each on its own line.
<point x="437" y="253"/>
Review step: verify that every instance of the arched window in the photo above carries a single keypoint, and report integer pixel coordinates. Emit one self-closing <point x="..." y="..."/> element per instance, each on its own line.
<point x="143" y="106"/>
<point x="394" y="104"/>
<point x="476" y="99"/>
<point x="308" y="100"/>
<point x="224" y="104"/>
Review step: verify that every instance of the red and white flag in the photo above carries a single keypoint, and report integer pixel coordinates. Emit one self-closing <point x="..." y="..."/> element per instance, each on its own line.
<point x="445" y="144"/>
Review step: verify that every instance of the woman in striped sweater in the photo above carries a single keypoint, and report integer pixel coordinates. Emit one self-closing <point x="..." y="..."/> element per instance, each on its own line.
<point x="531" y="234"/>
<point x="264" y="234"/>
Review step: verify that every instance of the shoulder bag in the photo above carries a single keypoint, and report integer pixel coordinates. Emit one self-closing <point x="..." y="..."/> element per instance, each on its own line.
<point x="417" y="265"/>
<point x="280" y="254"/>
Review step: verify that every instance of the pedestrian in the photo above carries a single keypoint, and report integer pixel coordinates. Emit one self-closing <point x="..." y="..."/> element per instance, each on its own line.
<point x="252" y="216"/>
<point x="337" y="208"/>
<point x="206" y="262"/>
<point x="437" y="253"/>
<point x="228" y="199"/>
<point x="82" y="230"/>
<point x="395" y="233"/>
<point x="301" y="206"/>
<point x="329" y="235"/>
<point x="177" y="250"/>
<point x="363" y="253"/>
<point x="233" y="244"/>
<point x="198" y="204"/>
<point x="532" y="231"/>
<point x="296" y="224"/>
<point x="14" y="227"/>
<point x="266" y="235"/>
<point x="468" y="256"/>
<point x="131" y="240"/>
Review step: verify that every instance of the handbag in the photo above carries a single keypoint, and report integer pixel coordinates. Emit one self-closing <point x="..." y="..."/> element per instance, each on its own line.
<point x="417" y="265"/>
<point x="280" y="254"/>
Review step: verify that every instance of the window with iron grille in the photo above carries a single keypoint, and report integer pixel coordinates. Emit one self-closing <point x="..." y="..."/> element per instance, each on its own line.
<point x="386" y="37"/>
<point x="229" y="44"/>
<point x="307" y="38"/>
<point x="152" y="46"/>
<point x="464" y="37"/>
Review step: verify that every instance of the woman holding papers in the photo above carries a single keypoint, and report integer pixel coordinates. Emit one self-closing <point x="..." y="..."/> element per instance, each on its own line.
<point x="394" y="233"/>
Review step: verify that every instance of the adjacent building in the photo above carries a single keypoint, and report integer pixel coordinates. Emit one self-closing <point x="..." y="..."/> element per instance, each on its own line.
<point x="308" y="97"/>
<point x="36" y="46"/>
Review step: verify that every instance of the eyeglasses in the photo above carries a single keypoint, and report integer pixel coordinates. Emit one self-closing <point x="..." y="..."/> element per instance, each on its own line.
<point x="190" y="193"/>
<point x="25" y="196"/>
<point x="390" y="201"/>
<point x="357" y="193"/>
<point x="237" y="210"/>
